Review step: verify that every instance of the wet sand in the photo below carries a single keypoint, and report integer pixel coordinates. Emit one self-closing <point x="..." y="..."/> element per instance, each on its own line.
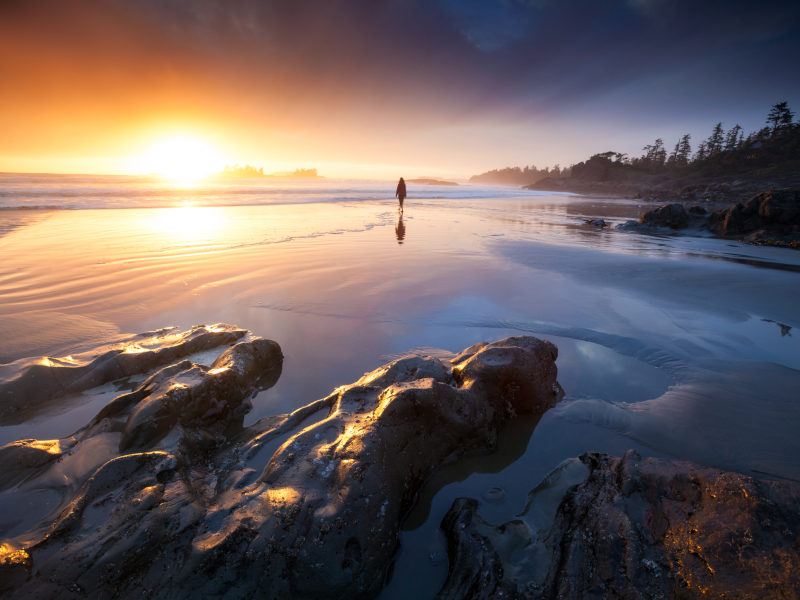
<point x="677" y="346"/>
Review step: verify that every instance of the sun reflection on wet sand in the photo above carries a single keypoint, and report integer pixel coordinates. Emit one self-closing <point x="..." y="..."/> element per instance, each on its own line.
<point x="189" y="222"/>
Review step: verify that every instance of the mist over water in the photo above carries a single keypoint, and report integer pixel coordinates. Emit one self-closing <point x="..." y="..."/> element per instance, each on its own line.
<point x="675" y="345"/>
<point x="78" y="192"/>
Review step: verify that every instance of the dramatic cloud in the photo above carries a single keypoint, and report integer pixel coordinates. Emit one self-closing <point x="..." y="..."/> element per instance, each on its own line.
<point x="350" y="75"/>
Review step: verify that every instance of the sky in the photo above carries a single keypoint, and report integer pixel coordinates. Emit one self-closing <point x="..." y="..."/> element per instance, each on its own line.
<point x="371" y="88"/>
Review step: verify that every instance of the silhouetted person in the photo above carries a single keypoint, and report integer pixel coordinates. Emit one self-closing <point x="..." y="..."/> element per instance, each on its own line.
<point x="400" y="230"/>
<point x="401" y="192"/>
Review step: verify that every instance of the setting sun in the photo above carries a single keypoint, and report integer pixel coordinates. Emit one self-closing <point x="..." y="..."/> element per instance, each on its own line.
<point x="181" y="159"/>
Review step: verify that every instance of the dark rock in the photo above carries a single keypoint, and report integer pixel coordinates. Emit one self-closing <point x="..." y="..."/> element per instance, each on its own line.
<point x="775" y="212"/>
<point x="38" y="383"/>
<point x="15" y="567"/>
<point x="764" y="237"/>
<point x="635" y="528"/>
<point x="305" y="505"/>
<point x="599" y="223"/>
<point x="673" y="216"/>
<point x="23" y="458"/>
<point x="205" y="399"/>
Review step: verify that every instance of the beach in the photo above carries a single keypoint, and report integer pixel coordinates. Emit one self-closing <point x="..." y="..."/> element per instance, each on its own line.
<point x="678" y="346"/>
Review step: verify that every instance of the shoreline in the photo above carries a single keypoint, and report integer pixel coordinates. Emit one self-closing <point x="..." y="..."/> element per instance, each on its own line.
<point x="658" y="188"/>
<point x="664" y="341"/>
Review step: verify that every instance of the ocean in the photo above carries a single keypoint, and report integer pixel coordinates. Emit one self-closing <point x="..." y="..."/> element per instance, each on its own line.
<point x="77" y="192"/>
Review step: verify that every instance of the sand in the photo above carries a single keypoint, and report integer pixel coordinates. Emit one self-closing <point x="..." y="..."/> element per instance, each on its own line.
<point x="678" y="346"/>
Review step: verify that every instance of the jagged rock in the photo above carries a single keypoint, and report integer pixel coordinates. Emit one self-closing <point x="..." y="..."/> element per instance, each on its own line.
<point x="635" y="528"/>
<point x="199" y="398"/>
<point x="37" y="383"/>
<point x="20" y="459"/>
<point x="209" y="403"/>
<point x="15" y="565"/>
<point x="767" y="218"/>
<point x="599" y="223"/>
<point x="304" y="505"/>
<point x="671" y="215"/>
<point x="771" y="216"/>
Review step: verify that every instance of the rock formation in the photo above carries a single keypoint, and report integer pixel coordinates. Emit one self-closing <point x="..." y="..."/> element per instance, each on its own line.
<point x="673" y="216"/>
<point x="768" y="216"/>
<point x="633" y="528"/>
<point x="37" y="384"/>
<point x="771" y="217"/>
<point x="304" y="505"/>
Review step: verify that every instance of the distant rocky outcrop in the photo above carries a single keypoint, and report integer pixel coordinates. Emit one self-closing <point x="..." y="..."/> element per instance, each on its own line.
<point x="670" y="216"/>
<point x="429" y="181"/>
<point x="633" y="528"/>
<point x="673" y="216"/>
<point x="768" y="216"/>
<point x="660" y="188"/>
<point x="598" y="223"/>
<point x="249" y="171"/>
<point x="304" y="505"/>
<point x="771" y="217"/>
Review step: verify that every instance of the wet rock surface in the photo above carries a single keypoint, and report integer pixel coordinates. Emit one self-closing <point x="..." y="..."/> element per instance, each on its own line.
<point x="304" y="505"/>
<point x="772" y="216"/>
<point x="34" y="385"/>
<point x="767" y="218"/>
<point x="598" y="223"/>
<point x="671" y="215"/>
<point x="633" y="528"/>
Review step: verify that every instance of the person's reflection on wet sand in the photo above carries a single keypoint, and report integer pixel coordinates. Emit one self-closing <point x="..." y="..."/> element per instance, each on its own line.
<point x="400" y="230"/>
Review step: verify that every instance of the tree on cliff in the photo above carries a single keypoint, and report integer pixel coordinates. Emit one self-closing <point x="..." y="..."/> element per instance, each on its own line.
<point x="655" y="155"/>
<point x="733" y="139"/>
<point x="773" y="149"/>
<point x="780" y="118"/>
<point x="684" y="150"/>
<point x="682" y="153"/>
<point x="715" y="140"/>
<point x="701" y="153"/>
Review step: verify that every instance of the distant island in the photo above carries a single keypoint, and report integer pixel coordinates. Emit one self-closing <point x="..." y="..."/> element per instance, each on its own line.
<point x="430" y="181"/>
<point x="728" y="166"/>
<point x="248" y="171"/>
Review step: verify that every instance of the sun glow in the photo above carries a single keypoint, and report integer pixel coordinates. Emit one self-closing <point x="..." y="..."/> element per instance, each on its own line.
<point x="182" y="159"/>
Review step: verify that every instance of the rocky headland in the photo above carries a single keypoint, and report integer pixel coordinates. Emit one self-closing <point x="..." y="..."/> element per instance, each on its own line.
<point x="660" y="188"/>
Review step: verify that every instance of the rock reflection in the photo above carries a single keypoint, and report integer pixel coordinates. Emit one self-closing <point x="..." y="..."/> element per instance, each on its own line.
<point x="511" y="445"/>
